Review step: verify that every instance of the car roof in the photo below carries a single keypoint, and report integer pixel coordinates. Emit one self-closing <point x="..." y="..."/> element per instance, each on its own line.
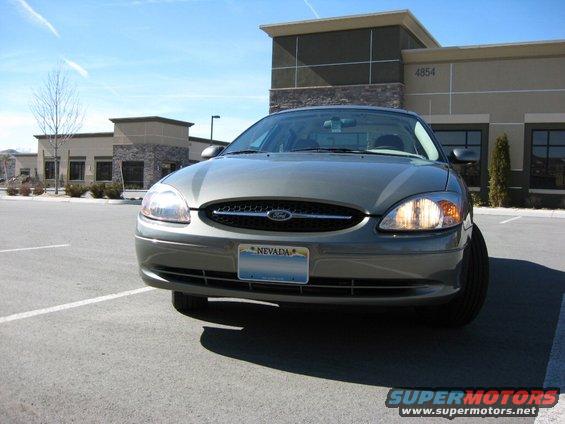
<point x="365" y="107"/>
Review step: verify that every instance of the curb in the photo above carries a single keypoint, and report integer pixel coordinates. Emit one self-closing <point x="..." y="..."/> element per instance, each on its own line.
<point x="73" y="200"/>
<point x="535" y="213"/>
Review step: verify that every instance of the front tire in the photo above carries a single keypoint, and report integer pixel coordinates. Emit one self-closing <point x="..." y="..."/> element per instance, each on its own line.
<point x="183" y="302"/>
<point x="465" y="306"/>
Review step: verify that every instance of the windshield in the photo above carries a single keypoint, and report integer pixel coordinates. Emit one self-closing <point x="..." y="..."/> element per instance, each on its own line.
<point x="338" y="130"/>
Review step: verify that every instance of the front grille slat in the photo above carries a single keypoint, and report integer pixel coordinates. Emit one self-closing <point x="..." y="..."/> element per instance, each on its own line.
<point x="320" y="286"/>
<point x="304" y="216"/>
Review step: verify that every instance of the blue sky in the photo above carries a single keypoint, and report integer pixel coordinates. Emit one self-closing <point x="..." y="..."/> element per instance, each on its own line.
<point x="188" y="59"/>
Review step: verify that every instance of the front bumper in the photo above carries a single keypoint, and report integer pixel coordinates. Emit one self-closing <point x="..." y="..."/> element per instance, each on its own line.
<point x="353" y="266"/>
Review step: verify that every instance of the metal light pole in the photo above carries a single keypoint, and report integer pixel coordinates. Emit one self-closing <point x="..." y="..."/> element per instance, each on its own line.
<point x="212" y="127"/>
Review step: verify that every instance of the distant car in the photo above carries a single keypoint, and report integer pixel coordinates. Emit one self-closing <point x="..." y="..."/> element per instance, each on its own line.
<point x="326" y="205"/>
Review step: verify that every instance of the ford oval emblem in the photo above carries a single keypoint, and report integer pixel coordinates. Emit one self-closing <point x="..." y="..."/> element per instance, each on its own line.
<point x="279" y="215"/>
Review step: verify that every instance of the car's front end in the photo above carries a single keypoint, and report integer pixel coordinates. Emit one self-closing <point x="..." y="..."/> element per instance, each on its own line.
<point x="302" y="227"/>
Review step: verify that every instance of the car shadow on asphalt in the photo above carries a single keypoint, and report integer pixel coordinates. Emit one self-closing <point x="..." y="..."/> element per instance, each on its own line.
<point x="507" y="345"/>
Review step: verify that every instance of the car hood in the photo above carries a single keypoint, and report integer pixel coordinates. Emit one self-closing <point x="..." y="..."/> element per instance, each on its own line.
<point x="372" y="183"/>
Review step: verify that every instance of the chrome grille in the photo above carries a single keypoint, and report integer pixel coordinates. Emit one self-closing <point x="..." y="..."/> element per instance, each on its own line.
<point x="283" y="215"/>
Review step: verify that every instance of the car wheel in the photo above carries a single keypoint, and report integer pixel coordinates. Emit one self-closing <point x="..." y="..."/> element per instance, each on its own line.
<point x="465" y="306"/>
<point x="183" y="302"/>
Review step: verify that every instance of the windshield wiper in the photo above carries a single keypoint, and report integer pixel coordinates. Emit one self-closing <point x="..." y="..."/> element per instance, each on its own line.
<point x="364" y="152"/>
<point x="400" y="153"/>
<point x="328" y="149"/>
<point x="241" y="152"/>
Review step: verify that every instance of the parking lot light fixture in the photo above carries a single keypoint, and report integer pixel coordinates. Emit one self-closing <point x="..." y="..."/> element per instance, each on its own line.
<point x="212" y="127"/>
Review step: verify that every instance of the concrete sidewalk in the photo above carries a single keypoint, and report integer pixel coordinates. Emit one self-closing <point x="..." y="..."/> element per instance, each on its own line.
<point x="536" y="213"/>
<point x="72" y="200"/>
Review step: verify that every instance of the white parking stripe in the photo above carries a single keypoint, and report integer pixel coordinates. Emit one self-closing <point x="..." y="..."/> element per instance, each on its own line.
<point x="511" y="219"/>
<point x="555" y="373"/>
<point x="34" y="248"/>
<point x="64" y="306"/>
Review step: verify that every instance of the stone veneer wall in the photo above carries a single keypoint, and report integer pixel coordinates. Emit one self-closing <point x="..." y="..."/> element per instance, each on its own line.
<point x="153" y="155"/>
<point x="384" y="95"/>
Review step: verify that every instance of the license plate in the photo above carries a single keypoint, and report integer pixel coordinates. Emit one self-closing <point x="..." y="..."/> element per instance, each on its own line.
<point x="281" y="264"/>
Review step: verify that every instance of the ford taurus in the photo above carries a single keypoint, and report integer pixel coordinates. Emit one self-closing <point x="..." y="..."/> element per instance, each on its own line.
<point x="325" y="205"/>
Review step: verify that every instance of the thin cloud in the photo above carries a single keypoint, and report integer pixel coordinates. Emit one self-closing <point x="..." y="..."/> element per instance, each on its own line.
<point x="76" y="67"/>
<point x="37" y="18"/>
<point x="142" y="2"/>
<point x="316" y="14"/>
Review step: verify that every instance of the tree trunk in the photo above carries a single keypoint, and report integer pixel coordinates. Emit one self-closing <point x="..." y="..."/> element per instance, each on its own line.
<point x="56" y="171"/>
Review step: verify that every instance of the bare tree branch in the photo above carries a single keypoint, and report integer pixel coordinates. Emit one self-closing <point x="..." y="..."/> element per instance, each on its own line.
<point x="58" y="112"/>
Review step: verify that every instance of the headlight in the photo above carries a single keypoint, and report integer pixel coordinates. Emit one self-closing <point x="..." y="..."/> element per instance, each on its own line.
<point x="432" y="211"/>
<point x="165" y="203"/>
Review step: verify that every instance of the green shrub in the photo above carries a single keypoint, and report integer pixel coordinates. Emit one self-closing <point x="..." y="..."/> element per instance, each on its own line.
<point x="499" y="173"/>
<point x="113" y="191"/>
<point x="38" y="190"/>
<point x="75" y="190"/>
<point x="11" y="191"/>
<point x="97" y="190"/>
<point x="476" y="199"/>
<point x="25" y="190"/>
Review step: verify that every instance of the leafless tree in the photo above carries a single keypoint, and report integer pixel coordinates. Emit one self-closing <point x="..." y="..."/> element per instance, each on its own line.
<point x="4" y="159"/>
<point x="58" y="112"/>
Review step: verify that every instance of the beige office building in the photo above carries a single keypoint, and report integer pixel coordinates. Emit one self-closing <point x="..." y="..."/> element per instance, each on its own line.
<point x="139" y="151"/>
<point x="470" y="95"/>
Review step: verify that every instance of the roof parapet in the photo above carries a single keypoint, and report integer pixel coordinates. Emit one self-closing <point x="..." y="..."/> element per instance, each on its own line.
<point x="404" y="18"/>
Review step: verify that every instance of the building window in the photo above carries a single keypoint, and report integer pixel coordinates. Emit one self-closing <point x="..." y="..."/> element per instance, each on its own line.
<point x="463" y="139"/>
<point x="133" y="174"/>
<point x="76" y="171"/>
<point x="168" y="167"/>
<point x="547" y="170"/>
<point x="50" y="170"/>
<point x="25" y="171"/>
<point x="104" y="171"/>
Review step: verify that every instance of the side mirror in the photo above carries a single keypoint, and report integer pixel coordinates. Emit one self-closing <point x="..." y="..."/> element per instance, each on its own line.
<point x="211" y="152"/>
<point x="463" y="156"/>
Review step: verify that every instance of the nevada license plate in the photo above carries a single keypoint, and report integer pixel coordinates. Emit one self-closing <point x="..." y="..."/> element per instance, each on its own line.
<point x="281" y="264"/>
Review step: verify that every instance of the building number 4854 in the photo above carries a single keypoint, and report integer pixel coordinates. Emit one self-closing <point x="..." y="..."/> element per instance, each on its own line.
<point x="425" y="72"/>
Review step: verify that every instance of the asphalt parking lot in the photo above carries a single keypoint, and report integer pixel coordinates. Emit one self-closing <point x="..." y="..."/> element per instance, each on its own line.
<point x="133" y="358"/>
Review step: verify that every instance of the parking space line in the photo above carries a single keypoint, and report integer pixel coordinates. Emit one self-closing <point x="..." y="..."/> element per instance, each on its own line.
<point x="555" y="372"/>
<point x="511" y="219"/>
<point x="52" y="246"/>
<point x="71" y="305"/>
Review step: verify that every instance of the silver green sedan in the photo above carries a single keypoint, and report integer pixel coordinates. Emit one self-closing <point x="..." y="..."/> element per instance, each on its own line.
<point x="327" y="205"/>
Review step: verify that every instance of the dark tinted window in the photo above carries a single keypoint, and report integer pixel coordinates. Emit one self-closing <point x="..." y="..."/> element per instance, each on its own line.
<point x="334" y="47"/>
<point x="333" y="75"/>
<point x="133" y="174"/>
<point x="168" y="167"/>
<point x="361" y="56"/>
<point x="462" y="139"/>
<point x="49" y="170"/>
<point x="284" y="51"/>
<point x="104" y="171"/>
<point x="547" y="166"/>
<point x="76" y="170"/>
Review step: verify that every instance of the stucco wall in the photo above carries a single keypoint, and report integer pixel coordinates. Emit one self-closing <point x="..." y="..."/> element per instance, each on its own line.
<point x="88" y="148"/>
<point x="505" y="89"/>
<point x="26" y="161"/>
<point x="150" y="132"/>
